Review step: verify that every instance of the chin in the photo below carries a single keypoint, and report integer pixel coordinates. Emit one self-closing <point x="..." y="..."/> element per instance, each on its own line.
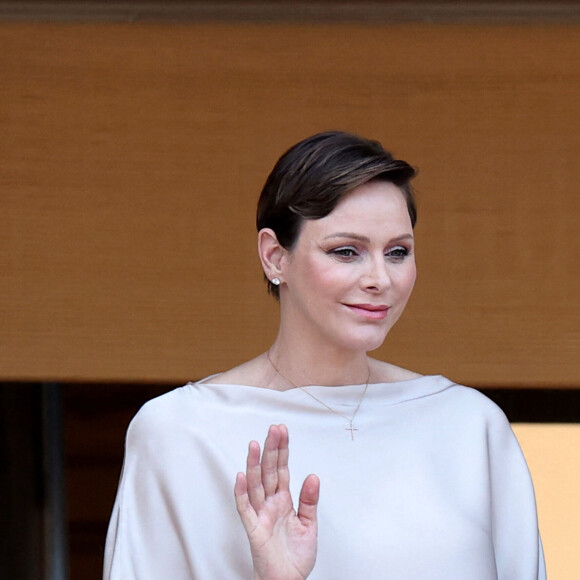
<point x="367" y="342"/>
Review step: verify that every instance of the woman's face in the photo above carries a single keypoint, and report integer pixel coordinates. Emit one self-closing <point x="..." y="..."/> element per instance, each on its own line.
<point x="350" y="274"/>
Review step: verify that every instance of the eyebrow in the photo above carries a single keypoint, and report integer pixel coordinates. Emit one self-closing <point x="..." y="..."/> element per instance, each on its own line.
<point x="353" y="236"/>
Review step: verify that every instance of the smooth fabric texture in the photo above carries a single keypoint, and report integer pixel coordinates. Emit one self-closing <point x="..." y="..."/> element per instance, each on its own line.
<point x="434" y="486"/>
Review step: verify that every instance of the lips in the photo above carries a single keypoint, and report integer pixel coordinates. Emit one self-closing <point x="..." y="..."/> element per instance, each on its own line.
<point x="369" y="311"/>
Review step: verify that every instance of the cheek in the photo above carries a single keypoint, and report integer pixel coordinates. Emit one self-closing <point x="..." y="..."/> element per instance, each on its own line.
<point x="322" y="282"/>
<point x="313" y="280"/>
<point x="407" y="279"/>
<point x="326" y="274"/>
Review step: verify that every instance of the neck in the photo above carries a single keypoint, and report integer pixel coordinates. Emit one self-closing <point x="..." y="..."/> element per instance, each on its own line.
<point x="301" y="365"/>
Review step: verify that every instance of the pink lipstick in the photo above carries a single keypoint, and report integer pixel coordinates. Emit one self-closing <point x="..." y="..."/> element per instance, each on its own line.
<point x="370" y="311"/>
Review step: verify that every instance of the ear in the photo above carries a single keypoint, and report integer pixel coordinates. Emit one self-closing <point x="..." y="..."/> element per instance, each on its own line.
<point x="271" y="253"/>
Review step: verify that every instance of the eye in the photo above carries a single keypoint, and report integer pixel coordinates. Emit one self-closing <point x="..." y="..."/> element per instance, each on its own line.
<point x="397" y="254"/>
<point x="345" y="253"/>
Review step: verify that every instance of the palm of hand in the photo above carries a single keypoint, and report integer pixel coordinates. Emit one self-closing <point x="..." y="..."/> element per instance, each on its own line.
<point x="283" y="542"/>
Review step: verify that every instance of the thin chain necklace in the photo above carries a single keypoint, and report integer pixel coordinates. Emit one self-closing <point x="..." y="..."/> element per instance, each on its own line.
<point x="349" y="419"/>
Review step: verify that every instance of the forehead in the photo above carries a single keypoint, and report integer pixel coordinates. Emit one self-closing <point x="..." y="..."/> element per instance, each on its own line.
<point x="376" y="206"/>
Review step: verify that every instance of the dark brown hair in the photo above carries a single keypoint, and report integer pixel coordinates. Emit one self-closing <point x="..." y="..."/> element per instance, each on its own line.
<point x="310" y="179"/>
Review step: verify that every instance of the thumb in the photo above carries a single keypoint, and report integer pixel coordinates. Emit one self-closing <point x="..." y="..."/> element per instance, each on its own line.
<point x="308" y="501"/>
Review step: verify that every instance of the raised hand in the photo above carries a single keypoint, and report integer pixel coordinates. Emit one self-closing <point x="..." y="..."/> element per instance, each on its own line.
<point x="283" y="543"/>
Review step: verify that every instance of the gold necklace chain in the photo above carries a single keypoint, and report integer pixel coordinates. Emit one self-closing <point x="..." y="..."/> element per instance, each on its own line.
<point x="350" y="420"/>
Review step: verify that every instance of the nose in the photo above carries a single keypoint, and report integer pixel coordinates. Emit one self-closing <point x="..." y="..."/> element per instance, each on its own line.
<point x="377" y="277"/>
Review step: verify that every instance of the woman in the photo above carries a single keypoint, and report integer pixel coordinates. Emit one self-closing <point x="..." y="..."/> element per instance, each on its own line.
<point x="416" y="477"/>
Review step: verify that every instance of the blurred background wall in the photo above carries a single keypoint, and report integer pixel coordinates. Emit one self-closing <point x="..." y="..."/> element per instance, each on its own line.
<point x="135" y="139"/>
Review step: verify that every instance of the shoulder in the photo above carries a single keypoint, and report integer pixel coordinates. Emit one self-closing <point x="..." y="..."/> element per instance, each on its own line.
<point x="476" y="413"/>
<point x="384" y="372"/>
<point x="474" y="400"/>
<point x="250" y="373"/>
<point x="161" y="415"/>
<point x="472" y="421"/>
<point x="463" y="399"/>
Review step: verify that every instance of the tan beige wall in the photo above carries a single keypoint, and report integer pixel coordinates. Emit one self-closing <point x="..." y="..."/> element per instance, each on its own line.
<point x="552" y="455"/>
<point x="132" y="155"/>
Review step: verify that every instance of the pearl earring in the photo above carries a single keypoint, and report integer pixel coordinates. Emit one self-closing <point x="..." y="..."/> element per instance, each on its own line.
<point x="276" y="281"/>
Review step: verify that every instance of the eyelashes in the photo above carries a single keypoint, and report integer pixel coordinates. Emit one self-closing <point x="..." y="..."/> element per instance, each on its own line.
<point x="398" y="253"/>
<point x="345" y="252"/>
<point x="349" y="253"/>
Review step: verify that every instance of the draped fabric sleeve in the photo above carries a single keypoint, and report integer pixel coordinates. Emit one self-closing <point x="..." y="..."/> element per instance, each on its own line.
<point x="149" y="536"/>
<point x="517" y="545"/>
<point x="142" y="541"/>
<point x="174" y="516"/>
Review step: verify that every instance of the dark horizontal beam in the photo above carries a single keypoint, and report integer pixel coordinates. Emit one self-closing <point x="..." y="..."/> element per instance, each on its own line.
<point x="532" y="404"/>
<point x="385" y="11"/>
<point x="537" y="405"/>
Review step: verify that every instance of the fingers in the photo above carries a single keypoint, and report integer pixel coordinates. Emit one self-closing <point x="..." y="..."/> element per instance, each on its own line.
<point x="283" y="455"/>
<point x="268" y="475"/>
<point x="241" y="493"/>
<point x="308" y="501"/>
<point x="274" y="464"/>
<point x="254" y="486"/>
<point x="245" y="509"/>
<point x="270" y="457"/>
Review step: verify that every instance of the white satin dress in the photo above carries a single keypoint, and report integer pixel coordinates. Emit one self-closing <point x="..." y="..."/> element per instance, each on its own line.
<point x="433" y="487"/>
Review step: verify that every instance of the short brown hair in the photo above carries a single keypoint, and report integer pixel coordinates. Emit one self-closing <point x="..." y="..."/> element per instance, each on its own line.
<point x="310" y="179"/>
